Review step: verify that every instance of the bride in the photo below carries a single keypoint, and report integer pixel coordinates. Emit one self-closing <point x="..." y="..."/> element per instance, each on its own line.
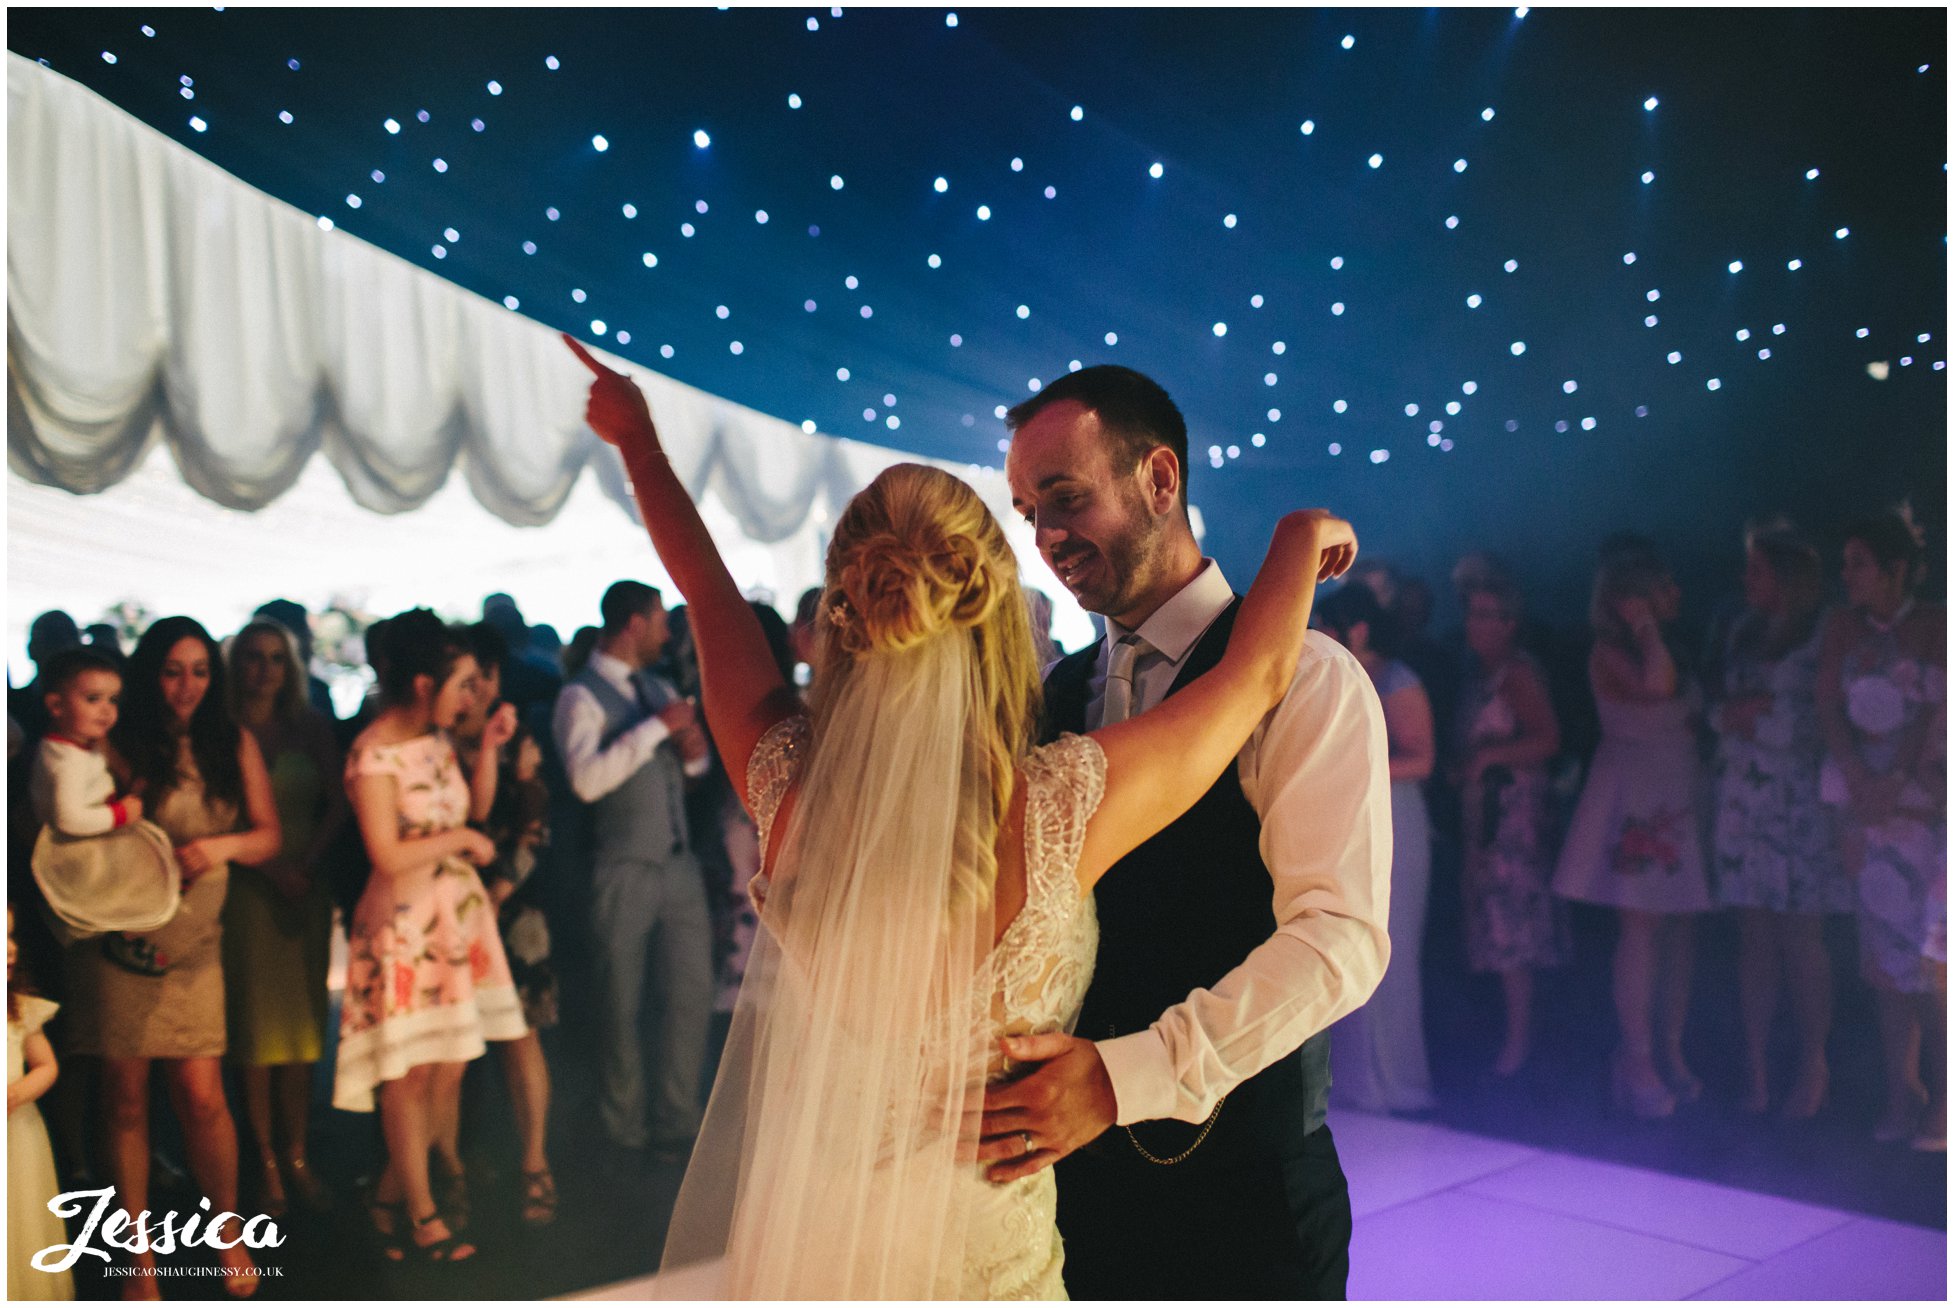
<point x="926" y="883"/>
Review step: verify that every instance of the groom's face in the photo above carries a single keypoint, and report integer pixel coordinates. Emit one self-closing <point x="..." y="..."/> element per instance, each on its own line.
<point x="1096" y="523"/>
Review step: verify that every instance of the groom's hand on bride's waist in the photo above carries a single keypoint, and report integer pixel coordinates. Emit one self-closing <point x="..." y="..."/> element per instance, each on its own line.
<point x="1058" y="1106"/>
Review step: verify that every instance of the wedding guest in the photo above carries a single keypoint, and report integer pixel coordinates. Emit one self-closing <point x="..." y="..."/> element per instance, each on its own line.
<point x="544" y="641"/>
<point x="40" y="951"/>
<point x="1777" y="860"/>
<point x="628" y="742"/>
<point x="1505" y="733"/>
<point x="733" y="939"/>
<point x="1882" y="691"/>
<point x="1437" y="668"/>
<point x="203" y="781"/>
<point x="31" y="1182"/>
<point x="563" y="891"/>
<point x="1047" y="650"/>
<point x="1414" y="608"/>
<point x="47" y="635"/>
<point x="346" y="859"/>
<point x="1633" y="845"/>
<point x="706" y="798"/>
<point x="373" y="644"/>
<point x="72" y="790"/>
<point x="1378" y="1051"/>
<point x="291" y="615"/>
<point x="103" y="639"/>
<point x="278" y="917"/>
<point x="577" y="652"/>
<point x="427" y="983"/>
<point x="517" y="824"/>
<point x="1378" y="577"/>
<point x="1562" y="657"/>
<point x="801" y="629"/>
<point x="531" y="676"/>
<point x="1731" y="608"/>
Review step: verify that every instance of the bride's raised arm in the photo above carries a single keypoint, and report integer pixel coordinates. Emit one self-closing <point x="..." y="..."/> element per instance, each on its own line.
<point x="1160" y="762"/>
<point x="743" y="689"/>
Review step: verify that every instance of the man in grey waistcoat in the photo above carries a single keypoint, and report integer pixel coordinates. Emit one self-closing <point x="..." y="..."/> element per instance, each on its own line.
<point x="628" y="743"/>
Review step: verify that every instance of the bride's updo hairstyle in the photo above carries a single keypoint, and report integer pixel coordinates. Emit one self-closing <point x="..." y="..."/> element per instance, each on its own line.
<point x="916" y="558"/>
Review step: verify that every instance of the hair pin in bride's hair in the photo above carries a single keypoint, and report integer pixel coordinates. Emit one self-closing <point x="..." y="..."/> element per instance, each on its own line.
<point x="838" y="613"/>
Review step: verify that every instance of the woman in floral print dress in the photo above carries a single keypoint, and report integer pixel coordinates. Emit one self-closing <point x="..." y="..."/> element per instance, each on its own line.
<point x="426" y="981"/>
<point x="1777" y="858"/>
<point x="1506" y="734"/>
<point x="1882" y="700"/>
<point x="1634" y="844"/>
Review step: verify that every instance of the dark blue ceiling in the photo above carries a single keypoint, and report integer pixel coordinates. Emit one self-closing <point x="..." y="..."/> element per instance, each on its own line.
<point x="1337" y="281"/>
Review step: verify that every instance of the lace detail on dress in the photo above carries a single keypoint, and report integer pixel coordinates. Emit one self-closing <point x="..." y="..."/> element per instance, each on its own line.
<point x="1044" y="960"/>
<point x="1042" y="967"/>
<point x="770" y="772"/>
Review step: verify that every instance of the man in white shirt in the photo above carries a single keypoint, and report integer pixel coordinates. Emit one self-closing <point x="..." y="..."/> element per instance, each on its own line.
<point x="1231" y="941"/>
<point x="628" y="742"/>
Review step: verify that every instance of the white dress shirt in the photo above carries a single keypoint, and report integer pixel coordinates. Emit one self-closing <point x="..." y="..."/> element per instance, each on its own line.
<point x="1316" y="771"/>
<point x="578" y="721"/>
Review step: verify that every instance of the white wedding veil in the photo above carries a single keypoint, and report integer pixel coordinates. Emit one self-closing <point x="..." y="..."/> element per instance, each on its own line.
<point x="829" y="1163"/>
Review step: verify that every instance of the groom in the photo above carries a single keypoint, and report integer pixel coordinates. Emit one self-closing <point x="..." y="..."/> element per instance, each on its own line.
<point x="1186" y="1117"/>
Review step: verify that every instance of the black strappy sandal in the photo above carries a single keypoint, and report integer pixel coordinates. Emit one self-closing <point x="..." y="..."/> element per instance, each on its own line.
<point x="538" y="1198"/>
<point x="444" y="1250"/>
<point x="451" y="1196"/>
<point x="389" y="1239"/>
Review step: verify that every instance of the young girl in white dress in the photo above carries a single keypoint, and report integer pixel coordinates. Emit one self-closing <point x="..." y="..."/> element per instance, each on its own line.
<point x="31" y="1182"/>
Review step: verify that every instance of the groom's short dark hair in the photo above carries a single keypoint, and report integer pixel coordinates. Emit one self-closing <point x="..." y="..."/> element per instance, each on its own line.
<point x="1132" y="407"/>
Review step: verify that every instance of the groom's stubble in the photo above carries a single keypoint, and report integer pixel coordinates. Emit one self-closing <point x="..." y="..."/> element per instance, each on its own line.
<point x="1109" y="524"/>
<point x="1138" y="556"/>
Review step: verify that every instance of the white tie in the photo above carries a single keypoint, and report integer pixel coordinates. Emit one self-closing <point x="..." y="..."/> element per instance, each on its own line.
<point x="1118" y="703"/>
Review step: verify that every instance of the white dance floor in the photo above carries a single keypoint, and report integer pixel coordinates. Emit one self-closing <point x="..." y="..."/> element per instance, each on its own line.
<point x="1445" y="1215"/>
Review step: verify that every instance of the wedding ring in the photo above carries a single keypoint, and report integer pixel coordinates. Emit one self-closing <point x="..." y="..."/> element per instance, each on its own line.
<point x="1026" y="1137"/>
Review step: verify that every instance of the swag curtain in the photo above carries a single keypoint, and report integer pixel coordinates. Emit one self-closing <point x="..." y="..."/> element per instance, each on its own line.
<point x="153" y="296"/>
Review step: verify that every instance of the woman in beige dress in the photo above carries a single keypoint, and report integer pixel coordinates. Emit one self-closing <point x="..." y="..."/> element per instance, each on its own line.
<point x="204" y="782"/>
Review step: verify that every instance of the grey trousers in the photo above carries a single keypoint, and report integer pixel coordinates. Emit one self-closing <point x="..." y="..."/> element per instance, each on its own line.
<point x="652" y="917"/>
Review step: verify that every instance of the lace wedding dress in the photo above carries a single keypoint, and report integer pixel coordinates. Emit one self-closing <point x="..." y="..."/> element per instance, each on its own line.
<point x="1040" y="969"/>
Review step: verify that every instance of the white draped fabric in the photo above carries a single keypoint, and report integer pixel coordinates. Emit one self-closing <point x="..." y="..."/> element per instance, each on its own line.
<point x="152" y="294"/>
<point x="155" y="299"/>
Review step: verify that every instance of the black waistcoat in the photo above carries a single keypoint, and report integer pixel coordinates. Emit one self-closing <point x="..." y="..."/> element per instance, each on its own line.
<point x="1176" y="915"/>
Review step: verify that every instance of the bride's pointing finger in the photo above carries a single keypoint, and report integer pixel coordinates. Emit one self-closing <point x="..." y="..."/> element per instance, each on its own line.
<point x="589" y="360"/>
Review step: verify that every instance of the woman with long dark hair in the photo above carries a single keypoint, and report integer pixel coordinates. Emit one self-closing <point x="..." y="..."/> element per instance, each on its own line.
<point x="203" y="780"/>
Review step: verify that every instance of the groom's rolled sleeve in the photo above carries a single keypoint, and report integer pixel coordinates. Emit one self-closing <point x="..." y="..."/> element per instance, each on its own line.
<point x="1317" y="773"/>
